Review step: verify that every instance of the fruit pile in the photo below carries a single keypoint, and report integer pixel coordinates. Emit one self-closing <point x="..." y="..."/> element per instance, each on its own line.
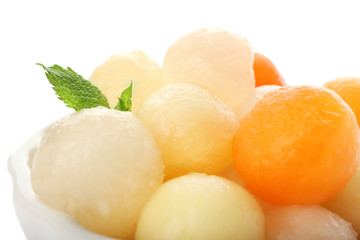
<point x="216" y="146"/>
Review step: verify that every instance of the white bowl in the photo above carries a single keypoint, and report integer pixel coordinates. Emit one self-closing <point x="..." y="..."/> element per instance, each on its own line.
<point x="37" y="220"/>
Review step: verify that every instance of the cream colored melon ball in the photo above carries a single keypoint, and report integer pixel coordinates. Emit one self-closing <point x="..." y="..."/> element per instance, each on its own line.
<point x="347" y="203"/>
<point x="262" y="90"/>
<point x="116" y="74"/>
<point x="306" y="222"/>
<point x="99" y="166"/>
<point x="218" y="60"/>
<point x="198" y="206"/>
<point x="193" y="128"/>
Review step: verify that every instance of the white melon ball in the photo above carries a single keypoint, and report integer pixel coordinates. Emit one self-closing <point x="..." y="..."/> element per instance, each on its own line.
<point x="306" y="222"/>
<point x="116" y="74"/>
<point x="262" y="90"/>
<point x="99" y="166"/>
<point x="198" y="206"/>
<point x="193" y="128"/>
<point x="217" y="60"/>
<point x="347" y="203"/>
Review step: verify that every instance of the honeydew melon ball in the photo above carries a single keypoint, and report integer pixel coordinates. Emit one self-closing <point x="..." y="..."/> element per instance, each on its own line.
<point x="218" y="60"/>
<point x="117" y="72"/>
<point x="193" y="128"/>
<point x="306" y="222"/>
<point x="347" y="203"/>
<point x="99" y="166"/>
<point x="199" y="206"/>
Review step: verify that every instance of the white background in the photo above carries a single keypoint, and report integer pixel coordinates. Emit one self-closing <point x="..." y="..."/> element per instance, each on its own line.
<point x="310" y="42"/>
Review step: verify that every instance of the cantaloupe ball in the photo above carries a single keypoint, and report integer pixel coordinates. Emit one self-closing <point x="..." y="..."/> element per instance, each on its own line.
<point x="347" y="203"/>
<point x="193" y="128"/>
<point x="262" y="90"/>
<point x="217" y="60"/>
<point x="116" y="74"/>
<point x="99" y="166"/>
<point x="306" y="222"/>
<point x="198" y="206"/>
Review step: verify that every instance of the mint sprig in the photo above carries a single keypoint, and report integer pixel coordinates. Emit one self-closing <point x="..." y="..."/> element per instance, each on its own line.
<point x="75" y="91"/>
<point x="125" y="103"/>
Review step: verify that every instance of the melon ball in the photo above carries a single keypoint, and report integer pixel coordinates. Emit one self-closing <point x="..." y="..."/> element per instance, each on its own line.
<point x="193" y="128"/>
<point x="347" y="203"/>
<point x="306" y="222"/>
<point x="116" y="74"/>
<point x="198" y="206"/>
<point x="262" y="90"/>
<point x="99" y="166"/>
<point x="217" y="60"/>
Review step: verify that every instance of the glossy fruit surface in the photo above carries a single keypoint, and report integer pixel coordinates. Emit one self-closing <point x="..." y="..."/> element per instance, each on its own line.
<point x="347" y="203"/>
<point x="217" y="60"/>
<point x="117" y="72"/>
<point x="265" y="72"/>
<point x="306" y="222"/>
<point x="198" y="206"/>
<point x="348" y="89"/>
<point x="193" y="128"/>
<point x="298" y="145"/>
<point x="99" y="166"/>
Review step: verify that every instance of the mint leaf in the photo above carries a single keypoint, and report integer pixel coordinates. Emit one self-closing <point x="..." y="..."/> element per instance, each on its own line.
<point x="124" y="103"/>
<point x="75" y="91"/>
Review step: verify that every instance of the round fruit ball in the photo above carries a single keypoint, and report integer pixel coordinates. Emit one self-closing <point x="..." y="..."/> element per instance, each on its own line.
<point x="198" y="206"/>
<point x="194" y="129"/>
<point x="348" y="89"/>
<point x="306" y="222"/>
<point x="99" y="166"/>
<point x="298" y="145"/>
<point x="217" y="60"/>
<point x="347" y="202"/>
<point x="265" y="72"/>
<point x="116" y="74"/>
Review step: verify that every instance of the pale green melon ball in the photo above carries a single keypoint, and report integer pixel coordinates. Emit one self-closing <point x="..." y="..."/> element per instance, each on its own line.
<point x="215" y="59"/>
<point x="100" y="166"/>
<point x="347" y="202"/>
<point x="194" y="129"/>
<point x="306" y="223"/>
<point x="117" y="72"/>
<point x="199" y="206"/>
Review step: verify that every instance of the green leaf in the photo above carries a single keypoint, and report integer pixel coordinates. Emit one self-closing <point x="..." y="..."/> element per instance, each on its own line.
<point x="75" y="91"/>
<point x="124" y="103"/>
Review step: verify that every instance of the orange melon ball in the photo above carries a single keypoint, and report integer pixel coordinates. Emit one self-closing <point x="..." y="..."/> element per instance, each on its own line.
<point x="217" y="60"/>
<point x="298" y="145"/>
<point x="348" y="89"/>
<point x="265" y="72"/>
<point x="193" y="128"/>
